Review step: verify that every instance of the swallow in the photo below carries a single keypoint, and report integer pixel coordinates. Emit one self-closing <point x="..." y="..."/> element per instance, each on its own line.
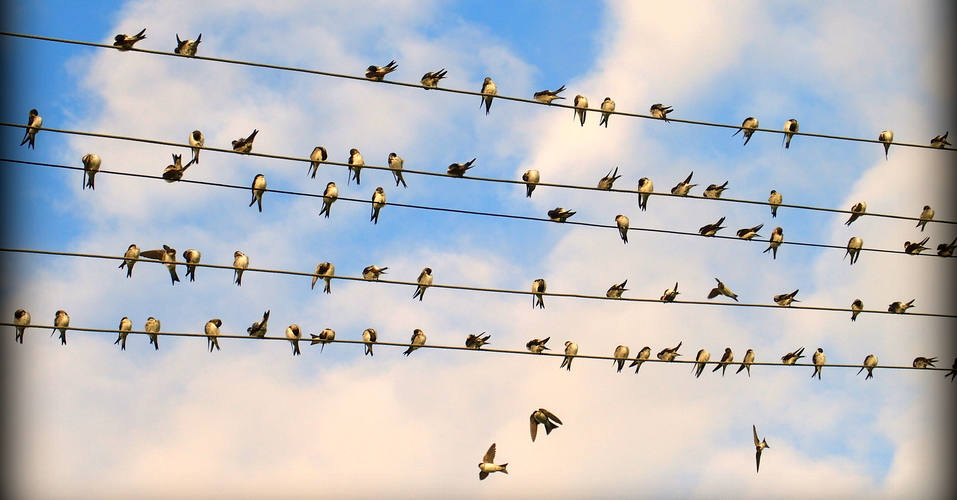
<point x="431" y="79"/>
<point x="129" y="258"/>
<point x="926" y="216"/>
<point x="947" y="249"/>
<point x="91" y="165"/>
<point x="607" y="107"/>
<point x="790" y="127"/>
<point x="660" y="111"/>
<point x="785" y="299"/>
<point x="538" y="288"/>
<point x="196" y="141"/>
<point x="900" y="307"/>
<point x="240" y="263"/>
<point x="581" y="104"/>
<point x="192" y="258"/>
<point x="326" y="336"/>
<point x="324" y="270"/>
<point x="418" y="339"/>
<point x="34" y="121"/>
<point x="560" y="214"/>
<point x="747" y="126"/>
<point x="378" y="201"/>
<point x="777" y="236"/>
<point x="670" y="294"/>
<point x="641" y="358"/>
<point x="922" y="362"/>
<point x="869" y="363"/>
<point x="726" y="358"/>
<point x="21" y="320"/>
<point x="319" y="155"/>
<point x="424" y="280"/>
<point x="536" y="346"/>
<point x="792" y="357"/>
<point x="750" y="232"/>
<point x="124" y="329"/>
<point x="746" y="364"/>
<point x="818" y="358"/>
<point x="369" y="336"/>
<point x="377" y="73"/>
<point x="531" y="179"/>
<point x="547" y="96"/>
<point x="616" y="290"/>
<point x="395" y="164"/>
<point x="187" y="47"/>
<point x="571" y="350"/>
<point x="212" y="333"/>
<point x="258" y="187"/>
<point x="683" y="187"/>
<point x="953" y="372"/>
<point x="711" y="229"/>
<point x="856" y="211"/>
<point x="488" y="93"/>
<point x="125" y="42"/>
<point x="458" y="169"/>
<point x="608" y="181"/>
<point x="174" y="172"/>
<point x="623" y="224"/>
<point x="856" y="307"/>
<point x="544" y="417"/>
<point x="700" y="361"/>
<point x="669" y="353"/>
<point x="916" y="247"/>
<point x="645" y="188"/>
<point x="259" y="328"/>
<point x="714" y="191"/>
<point x="329" y="196"/>
<point x="152" y="327"/>
<point x="621" y="355"/>
<point x="940" y="141"/>
<point x="245" y="144"/>
<point x="775" y="201"/>
<point x="759" y="446"/>
<point x="476" y="341"/>
<point x="487" y="466"/>
<point x="372" y="272"/>
<point x="167" y="255"/>
<point x="356" y="162"/>
<point x="854" y="246"/>
<point x="294" y="334"/>
<point x="886" y="137"/>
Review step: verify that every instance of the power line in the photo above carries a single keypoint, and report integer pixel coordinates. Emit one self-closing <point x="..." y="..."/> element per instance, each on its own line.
<point x="470" y="288"/>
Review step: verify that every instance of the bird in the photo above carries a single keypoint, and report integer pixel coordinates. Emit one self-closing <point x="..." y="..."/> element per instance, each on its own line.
<point x="645" y="188"/>
<point x="326" y="336"/>
<point x="356" y="162"/>
<point x="192" y="258"/>
<point x="670" y="294"/>
<point x="886" y="137"/>
<point x="856" y="307"/>
<point x="608" y="181"/>
<point x="925" y="216"/>
<point x="324" y="270"/>
<point x="329" y="196"/>
<point x="487" y="466"/>
<point x="947" y="249"/>
<point x="124" y="329"/>
<point x="21" y="319"/>
<point x="726" y="358"/>
<point x="395" y="164"/>
<point x="621" y="355"/>
<point x="700" y="361"/>
<point x="258" y="187"/>
<point x="458" y="169"/>
<point x="953" y="371"/>
<point x="785" y="299"/>
<point x="818" y="358"/>
<point x="167" y="255"/>
<point x="750" y="232"/>
<point x="174" y="172"/>
<point x="559" y="214"/>
<point x="623" y="224"/>
<point x="377" y="73"/>
<point x="212" y="333"/>
<point x="759" y="446"/>
<point x="790" y="127"/>
<point x="531" y="179"/>
<point x="900" y="307"/>
<point x="536" y="346"/>
<point x="259" y="328"/>
<point x="476" y="341"/>
<point x="916" y="247"/>
<point x="547" y="96"/>
<point x="369" y="336"/>
<point x="319" y="155"/>
<point x="748" y="125"/>
<point x="922" y="362"/>
<point x="581" y="104"/>
<point x="683" y="187"/>
<point x="129" y="258"/>
<point x="711" y="229"/>
<point x="571" y="350"/>
<point x="245" y="144"/>
<point x="616" y="290"/>
<point x="91" y="165"/>
<point x="714" y="191"/>
<point x="792" y="357"/>
<point x="418" y="339"/>
<point x="607" y="107"/>
<point x="746" y="364"/>
<point x="424" y="280"/>
<point x="641" y="358"/>
<point x="152" y="327"/>
<point x="775" y="201"/>
<point x="538" y="288"/>
<point x="372" y="272"/>
<point x="294" y="334"/>
<point x="777" y="236"/>
<point x="125" y="42"/>
<point x="669" y="353"/>
<point x="196" y="141"/>
<point x="721" y="289"/>
<point x="660" y="111"/>
<point x="240" y="263"/>
<point x="940" y="141"/>
<point x="857" y="210"/>
<point x="378" y="201"/>
<point x="489" y="89"/>
<point x="869" y="363"/>
<point x="187" y="47"/>
<point x="544" y="417"/>
<point x="34" y="121"/>
<point x="431" y="79"/>
<point x="854" y="248"/>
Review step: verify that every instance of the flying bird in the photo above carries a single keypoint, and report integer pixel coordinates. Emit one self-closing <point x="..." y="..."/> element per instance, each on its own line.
<point x="431" y="79"/>
<point x="34" y="121"/>
<point x="940" y="141"/>
<point x="424" y="281"/>
<point x="714" y="191"/>
<point x="857" y="210"/>
<point x="294" y="334"/>
<point x="396" y="164"/>
<point x="240" y="263"/>
<point x="324" y="270"/>
<point x="922" y="362"/>
<point x="571" y="350"/>
<point x="926" y="216"/>
<point x="726" y="358"/>
<point x="326" y="336"/>
<point x="869" y="363"/>
<point x="645" y="188"/>
<point x="418" y="340"/>
<point x="854" y="246"/>
<point x="559" y="214"/>
<point x="900" y="307"/>
<point x="319" y="155"/>
<point x="196" y="141"/>
<point x="700" y="361"/>
<point x="458" y="169"/>
<point x="759" y="446"/>
<point x="245" y="144"/>
<point x="669" y="353"/>
<point x="91" y="165"/>
<point x="329" y="196"/>
<point x="377" y="73"/>
<point x="536" y="346"/>
<point x="785" y="299"/>
<point x="488" y="93"/>
<point x="21" y="320"/>
<point x="746" y="364"/>
<point x="777" y="236"/>
<point x="711" y="229"/>
<point x="670" y="294"/>
<point x="683" y="187"/>
<point x="818" y="358"/>
<point x="747" y="126"/>
<point x="192" y="258"/>
<point x="641" y="358"/>
<point x="212" y="333"/>
<point x="886" y="137"/>
<point x="187" y="47"/>
<point x="129" y="258"/>
<point x="607" y="107"/>
<point x="544" y="417"/>
<point x="750" y="232"/>
<point x="621" y="355"/>
<point x="547" y="96"/>
<point x="167" y="255"/>
<point x="916" y="247"/>
<point x="721" y="289"/>
<point x="856" y="307"/>
<point x="125" y="326"/>
<point x="152" y="328"/>
<point x="174" y="172"/>
<point x="538" y="288"/>
<point x="775" y="201"/>
<point x="790" y="127"/>
<point x="259" y="328"/>
<point x="356" y="162"/>
<point x="371" y="273"/>
<point x="581" y="104"/>
<point x="660" y="111"/>
<point x="608" y="181"/>
<point x="947" y="249"/>
<point x="488" y="466"/>
<point x="369" y="336"/>
<point x="616" y="290"/>
<point x="378" y="201"/>
<point x="531" y="179"/>
<point x="258" y="187"/>
<point x="623" y="224"/>
<point x="792" y="357"/>
<point x="476" y="341"/>
<point x="125" y="42"/>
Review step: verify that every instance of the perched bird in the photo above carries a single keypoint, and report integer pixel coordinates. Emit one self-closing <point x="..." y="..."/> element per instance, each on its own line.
<point x="581" y="104"/>
<point x="621" y="355"/>
<point x="623" y="224"/>
<point x="476" y="341"/>
<point x="747" y="126"/>
<point x="916" y="247"/>
<point x="660" y="111"/>
<point x="418" y="339"/>
<point x="775" y="201"/>
<point x="21" y="319"/>
<point x="124" y="329"/>
<point x="240" y="263"/>
<point x="356" y="162"/>
<point x="129" y="258"/>
<point x="371" y="273"/>
<point x="785" y="299"/>
<point x="531" y="179"/>
<point x="547" y="96"/>
<point x="187" y="47"/>
<point x="790" y="127"/>
<point x="947" y="249"/>
<point x="377" y="73"/>
<point x="818" y="358"/>
<point x="33" y="126"/>
<point x="940" y="141"/>
<point x="746" y="364"/>
<point x="424" y="281"/>
<point x="245" y="144"/>
<point x="294" y="334"/>
<point x="91" y="165"/>
<point x="886" y="137"/>
<point x="458" y="169"/>
<point x="669" y="353"/>
<point x="726" y="358"/>
<point x="544" y="417"/>
<point x="326" y="336"/>
<point x="856" y="211"/>
<point x="192" y="258"/>
<point x="714" y="191"/>
<point x="125" y="42"/>
<point x="607" y="107"/>
<point x="571" y="350"/>
<point x="616" y="290"/>
<point x="869" y="363"/>
<point x="212" y="333"/>
<point x="759" y="446"/>
<point x="196" y="141"/>
<point x="670" y="294"/>
<point x="711" y="229"/>
<point x="369" y="336"/>
<point x="174" y="172"/>
<point x="431" y="79"/>
<point x="721" y="289"/>
<point x="324" y="270"/>
<point x="560" y="214"/>
<point x="792" y="357"/>
<point x="922" y="362"/>
<point x="258" y="187"/>
<point x="259" y="328"/>
<point x="750" y="232"/>
<point x="856" y="307"/>
<point x="641" y="358"/>
<point x="152" y="327"/>
<point x="487" y="466"/>
<point x="319" y="155"/>
<point x="608" y="181"/>
<point x="700" y="361"/>
<point x="396" y="164"/>
<point x="538" y="288"/>
<point x="536" y="346"/>
<point x="953" y="371"/>
<point x="645" y="188"/>
<point x="167" y="255"/>
<point x="926" y="216"/>
<point x="329" y="196"/>
<point x="900" y="307"/>
<point x="488" y="93"/>
<point x="683" y="187"/>
<point x="854" y="246"/>
<point x="777" y="236"/>
<point x="378" y="201"/>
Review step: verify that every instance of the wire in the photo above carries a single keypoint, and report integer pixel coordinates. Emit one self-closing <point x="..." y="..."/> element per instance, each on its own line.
<point x="470" y="288"/>
<point x="455" y="91"/>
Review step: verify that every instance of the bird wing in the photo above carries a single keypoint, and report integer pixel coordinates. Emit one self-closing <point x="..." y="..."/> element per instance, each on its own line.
<point x="489" y="455"/>
<point x="533" y="426"/>
<point x="550" y="415"/>
<point x="755" y="431"/>
<point x="154" y="254"/>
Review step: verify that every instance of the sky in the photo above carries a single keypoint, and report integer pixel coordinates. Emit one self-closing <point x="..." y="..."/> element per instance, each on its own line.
<point x="88" y="420"/>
